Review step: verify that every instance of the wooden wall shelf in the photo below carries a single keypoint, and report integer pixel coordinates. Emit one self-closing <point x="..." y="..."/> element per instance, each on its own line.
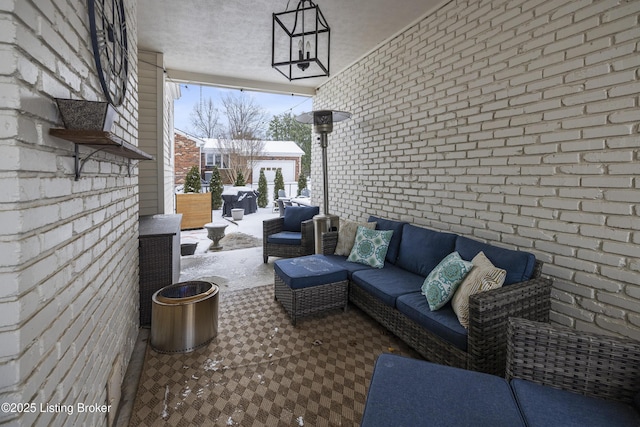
<point x="105" y="141"/>
<point x="101" y="141"/>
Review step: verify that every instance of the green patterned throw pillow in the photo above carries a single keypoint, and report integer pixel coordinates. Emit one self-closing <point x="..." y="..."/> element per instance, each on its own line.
<point x="370" y="247"/>
<point x="442" y="282"/>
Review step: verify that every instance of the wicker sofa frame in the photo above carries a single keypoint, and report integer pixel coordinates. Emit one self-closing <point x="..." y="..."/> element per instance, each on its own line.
<point x="585" y="363"/>
<point x="488" y="315"/>
<point x="275" y="225"/>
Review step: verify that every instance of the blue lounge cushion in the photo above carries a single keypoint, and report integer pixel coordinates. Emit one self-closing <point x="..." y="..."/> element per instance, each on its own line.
<point x="370" y="247"/>
<point x="518" y="264"/>
<point x="422" y="249"/>
<point x="306" y="271"/>
<point x="295" y="215"/>
<point x="444" y="322"/>
<point x="407" y="393"/>
<point x="286" y="238"/>
<point x="396" y="226"/>
<point x="442" y="282"/>
<point x="547" y="406"/>
<point x="387" y="283"/>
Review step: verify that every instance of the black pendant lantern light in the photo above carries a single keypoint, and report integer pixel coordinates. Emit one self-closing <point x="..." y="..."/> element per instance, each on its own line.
<point x="300" y="42"/>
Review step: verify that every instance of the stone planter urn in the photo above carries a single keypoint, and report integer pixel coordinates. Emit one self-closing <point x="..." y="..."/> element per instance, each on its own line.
<point x="237" y="214"/>
<point x="215" y="232"/>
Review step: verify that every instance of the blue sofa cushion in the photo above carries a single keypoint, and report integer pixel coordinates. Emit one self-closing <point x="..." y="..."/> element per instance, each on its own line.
<point x="294" y="215"/>
<point x="387" y="283"/>
<point x="342" y="262"/>
<point x="286" y="238"/>
<point x="546" y="406"/>
<point x="396" y="226"/>
<point x="407" y="392"/>
<point x="422" y="249"/>
<point x="443" y="322"/>
<point x="518" y="264"/>
<point x="306" y="271"/>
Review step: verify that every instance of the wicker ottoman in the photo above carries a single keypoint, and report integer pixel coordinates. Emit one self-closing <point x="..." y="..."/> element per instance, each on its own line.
<point x="308" y="285"/>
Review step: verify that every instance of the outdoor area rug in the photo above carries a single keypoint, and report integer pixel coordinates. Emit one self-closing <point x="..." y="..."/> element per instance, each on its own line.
<point x="262" y="371"/>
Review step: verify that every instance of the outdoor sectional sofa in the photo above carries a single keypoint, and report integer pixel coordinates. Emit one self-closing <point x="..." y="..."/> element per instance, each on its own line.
<point x="392" y="295"/>
<point x="556" y="376"/>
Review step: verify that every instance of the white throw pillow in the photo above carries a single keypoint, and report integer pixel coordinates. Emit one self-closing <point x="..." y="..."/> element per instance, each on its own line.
<point x="347" y="235"/>
<point x="484" y="276"/>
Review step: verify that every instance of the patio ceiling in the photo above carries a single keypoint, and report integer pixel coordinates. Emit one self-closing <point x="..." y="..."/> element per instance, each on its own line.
<point x="228" y="42"/>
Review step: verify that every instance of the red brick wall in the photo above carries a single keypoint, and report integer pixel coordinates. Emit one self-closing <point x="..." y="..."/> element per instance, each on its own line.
<point x="187" y="154"/>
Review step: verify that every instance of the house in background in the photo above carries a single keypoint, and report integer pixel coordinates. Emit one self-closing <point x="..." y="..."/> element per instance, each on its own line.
<point x="210" y="152"/>
<point x="187" y="154"/>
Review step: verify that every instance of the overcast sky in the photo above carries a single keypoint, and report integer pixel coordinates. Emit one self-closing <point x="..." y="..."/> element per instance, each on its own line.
<point x="274" y="104"/>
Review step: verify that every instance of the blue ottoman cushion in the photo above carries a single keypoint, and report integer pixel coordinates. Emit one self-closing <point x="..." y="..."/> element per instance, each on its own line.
<point x="546" y="406"/>
<point x="407" y="393"/>
<point x="341" y="261"/>
<point x="306" y="271"/>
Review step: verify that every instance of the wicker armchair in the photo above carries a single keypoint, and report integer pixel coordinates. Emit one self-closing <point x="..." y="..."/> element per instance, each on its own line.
<point x="276" y="225"/>
<point x="585" y="363"/>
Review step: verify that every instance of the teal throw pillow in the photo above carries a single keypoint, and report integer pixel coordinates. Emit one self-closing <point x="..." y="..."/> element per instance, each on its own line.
<point x="442" y="282"/>
<point x="370" y="247"/>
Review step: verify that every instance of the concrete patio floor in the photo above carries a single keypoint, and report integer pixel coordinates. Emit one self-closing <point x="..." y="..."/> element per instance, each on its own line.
<point x="229" y="269"/>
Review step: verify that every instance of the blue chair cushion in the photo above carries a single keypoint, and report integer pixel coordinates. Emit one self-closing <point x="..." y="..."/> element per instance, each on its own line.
<point x="547" y="406"/>
<point x="443" y="322"/>
<point x="306" y="271"/>
<point x="421" y="249"/>
<point x="519" y="265"/>
<point x="286" y="238"/>
<point x="295" y="215"/>
<point x="387" y="283"/>
<point x="407" y="393"/>
<point x="396" y="226"/>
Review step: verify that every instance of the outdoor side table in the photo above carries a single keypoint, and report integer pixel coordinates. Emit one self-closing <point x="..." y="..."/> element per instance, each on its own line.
<point x="308" y="285"/>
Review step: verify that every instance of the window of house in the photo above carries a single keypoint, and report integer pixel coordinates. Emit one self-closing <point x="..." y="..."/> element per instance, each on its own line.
<point x="219" y="160"/>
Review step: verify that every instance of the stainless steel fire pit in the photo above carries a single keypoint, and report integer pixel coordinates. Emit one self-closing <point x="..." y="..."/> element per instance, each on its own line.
<point x="184" y="316"/>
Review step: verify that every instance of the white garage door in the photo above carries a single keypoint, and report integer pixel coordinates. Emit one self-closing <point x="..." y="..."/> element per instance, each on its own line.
<point x="270" y="166"/>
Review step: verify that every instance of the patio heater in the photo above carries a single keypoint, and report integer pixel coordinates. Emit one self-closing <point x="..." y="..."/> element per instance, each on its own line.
<point x="323" y="124"/>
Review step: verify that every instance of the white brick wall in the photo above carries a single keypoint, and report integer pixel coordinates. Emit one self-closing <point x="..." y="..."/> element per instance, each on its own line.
<point x="68" y="249"/>
<point x="511" y="122"/>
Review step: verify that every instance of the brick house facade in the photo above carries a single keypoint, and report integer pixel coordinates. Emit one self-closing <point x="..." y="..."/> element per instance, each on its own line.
<point x="190" y="150"/>
<point x="187" y="154"/>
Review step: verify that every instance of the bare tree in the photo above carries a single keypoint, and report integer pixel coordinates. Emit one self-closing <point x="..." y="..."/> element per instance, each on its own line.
<point x="243" y="154"/>
<point x="246" y="120"/>
<point x="205" y="118"/>
<point x="242" y="141"/>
